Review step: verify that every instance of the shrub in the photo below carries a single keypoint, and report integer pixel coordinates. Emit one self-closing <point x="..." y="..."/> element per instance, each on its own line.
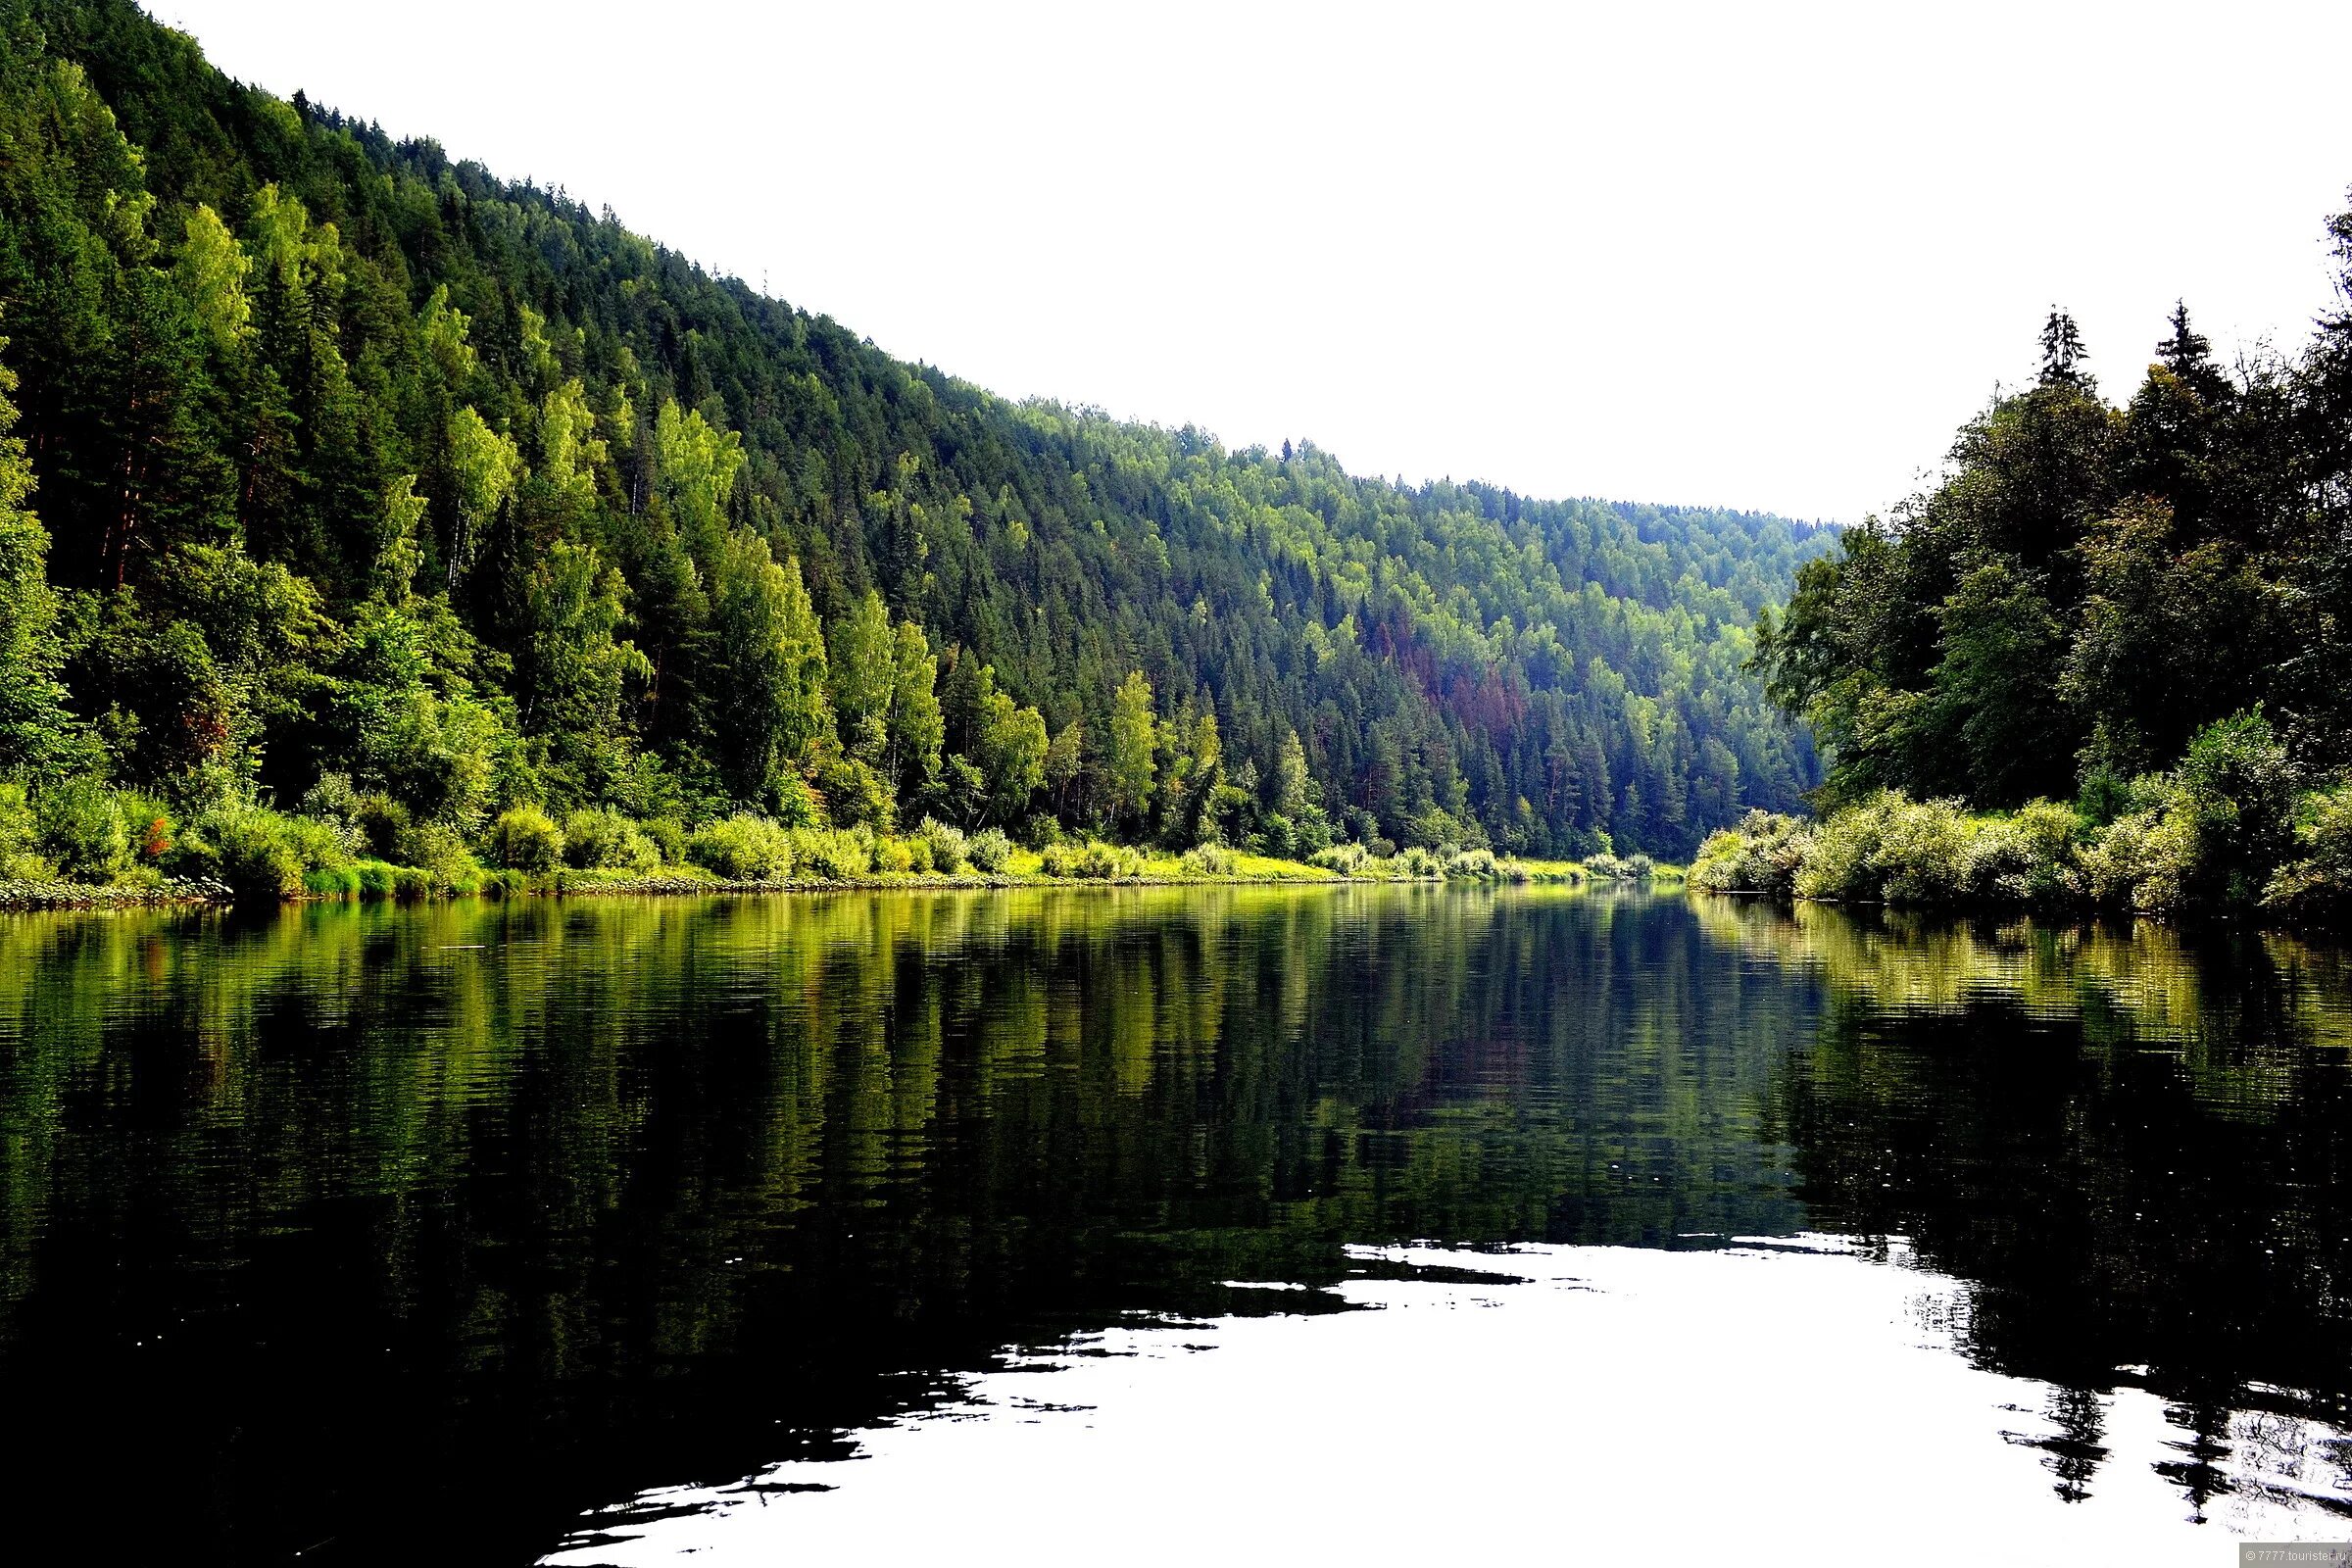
<point x="855" y="794"/>
<point x="2240" y="789"/>
<point x="376" y="879"/>
<point x="1841" y="859"/>
<point x="384" y="825"/>
<point x="896" y="857"/>
<point x="81" y="828"/>
<point x="251" y="848"/>
<point x="1346" y="858"/>
<point x="1761" y="855"/>
<point x="668" y="838"/>
<point x="1092" y="861"/>
<point x="334" y="802"/>
<point x="2317" y="883"/>
<point x="742" y="848"/>
<point x="525" y="839"/>
<point x="439" y="849"/>
<point x="411" y="883"/>
<point x="331" y="882"/>
<point x="148" y="824"/>
<point x="1419" y="861"/>
<point x="1211" y="860"/>
<point x="833" y="855"/>
<point x="950" y="849"/>
<point x="595" y="839"/>
<point x="2027" y="858"/>
<point x="20" y="837"/>
<point x="1471" y="865"/>
<point x="989" y="851"/>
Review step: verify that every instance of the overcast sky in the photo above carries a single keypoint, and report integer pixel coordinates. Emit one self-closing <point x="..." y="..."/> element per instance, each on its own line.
<point x="1758" y="256"/>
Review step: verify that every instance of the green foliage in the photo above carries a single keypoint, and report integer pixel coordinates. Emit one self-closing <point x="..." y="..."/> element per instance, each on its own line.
<point x="1346" y="858"/>
<point x="1209" y="859"/>
<point x="989" y="850"/>
<point x="742" y="848"/>
<point x="2091" y="589"/>
<point x="352" y="459"/>
<point x="1091" y="861"/>
<point x="2317" y="885"/>
<point x="526" y="839"/>
<point x="833" y="855"/>
<point x="596" y="838"/>
<point x="21" y="859"/>
<point x="1761" y="855"/>
<point x="948" y="847"/>
<point x="81" y="831"/>
<point x="260" y="854"/>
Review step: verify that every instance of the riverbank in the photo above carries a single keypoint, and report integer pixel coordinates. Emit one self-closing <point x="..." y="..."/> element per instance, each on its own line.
<point x="2175" y="846"/>
<point x="1084" y="865"/>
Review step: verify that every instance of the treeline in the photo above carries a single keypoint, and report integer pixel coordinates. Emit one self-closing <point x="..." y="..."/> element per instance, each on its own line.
<point x="345" y="467"/>
<point x="2143" y="611"/>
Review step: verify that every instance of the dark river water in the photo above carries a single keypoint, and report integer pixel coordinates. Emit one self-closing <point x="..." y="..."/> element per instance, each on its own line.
<point x="1172" y="1225"/>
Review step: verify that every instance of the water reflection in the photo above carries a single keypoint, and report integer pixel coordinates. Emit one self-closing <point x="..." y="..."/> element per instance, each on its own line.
<point x="479" y="1215"/>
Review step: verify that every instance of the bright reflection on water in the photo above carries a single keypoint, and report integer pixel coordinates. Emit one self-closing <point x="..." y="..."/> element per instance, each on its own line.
<point x="1070" y="1222"/>
<point x="1593" y="1404"/>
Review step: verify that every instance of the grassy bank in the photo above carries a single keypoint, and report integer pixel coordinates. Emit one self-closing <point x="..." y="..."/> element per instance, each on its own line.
<point x="2230" y="831"/>
<point x="126" y="850"/>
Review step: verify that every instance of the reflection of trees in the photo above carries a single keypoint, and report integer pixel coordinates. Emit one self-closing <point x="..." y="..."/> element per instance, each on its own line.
<point x="2133" y="1142"/>
<point x="595" y="1190"/>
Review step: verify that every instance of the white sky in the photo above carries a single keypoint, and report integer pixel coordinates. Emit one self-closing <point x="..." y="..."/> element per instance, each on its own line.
<point x="1754" y="255"/>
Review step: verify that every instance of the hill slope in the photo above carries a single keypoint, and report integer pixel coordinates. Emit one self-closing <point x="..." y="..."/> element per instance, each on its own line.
<point x="357" y="463"/>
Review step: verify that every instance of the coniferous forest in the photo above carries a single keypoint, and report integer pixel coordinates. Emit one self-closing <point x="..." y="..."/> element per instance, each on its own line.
<point x="360" y="504"/>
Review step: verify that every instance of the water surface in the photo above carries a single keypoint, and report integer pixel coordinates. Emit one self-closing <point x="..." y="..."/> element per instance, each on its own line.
<point x="802" y="1227"/>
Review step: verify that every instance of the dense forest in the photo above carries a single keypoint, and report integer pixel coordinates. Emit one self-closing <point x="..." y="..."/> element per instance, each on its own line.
<point x="2127" y="630"/>
<point x="350" y="480"/>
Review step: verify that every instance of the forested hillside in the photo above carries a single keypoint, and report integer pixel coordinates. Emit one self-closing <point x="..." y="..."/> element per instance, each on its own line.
<point x="349" y="476"/>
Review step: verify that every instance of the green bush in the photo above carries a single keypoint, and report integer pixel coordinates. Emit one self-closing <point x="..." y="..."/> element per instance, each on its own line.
<point x="504" y="884"/>
<point x="1212" y="859"/>
<point x="1346" y="858"/>
<point x="1419" y="861"/>
<point x="2240" y="789"/>
<point x="1761" y="855"/>
<point x="525" y="839"/>
<point x="80" y="829"/>
<point x="252" y="850"/>
<point x="833" y="855"/>
<point x="411" y="883"/>
<point x="855" y="795"/>
<point x="668" y="839"/>
<point x="1471" y="865"/>
<point x="2317" y="885"/>
<point x="376" y="879"/>
<point x="595" y="839"/>
<point x="331" y="882"/>
<point x="21" y="859"/>
<point x="1090" y="862"/>
<point x="989" y="851"/>
<point x="896" y="857"/>
<point x="2029" y="857"/>
<point x="950" y="850"/>
<point x="742" y="848"/>
<point x="797" y="805"/>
